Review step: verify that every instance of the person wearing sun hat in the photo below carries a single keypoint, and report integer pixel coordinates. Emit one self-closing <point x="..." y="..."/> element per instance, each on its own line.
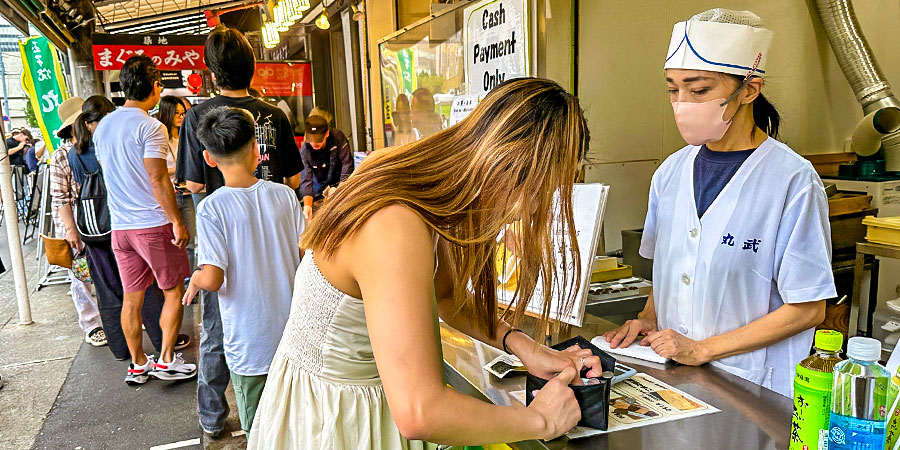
<point x="68" y="111"/>
<point x="737" y="222"/>
<point x="62" y="201"/>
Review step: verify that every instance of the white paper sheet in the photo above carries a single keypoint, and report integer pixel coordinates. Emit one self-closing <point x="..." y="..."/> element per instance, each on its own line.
<point x="634" y="350"/>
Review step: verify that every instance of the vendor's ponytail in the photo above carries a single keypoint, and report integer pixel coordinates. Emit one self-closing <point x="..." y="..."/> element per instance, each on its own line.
<point x="766" y="116"/>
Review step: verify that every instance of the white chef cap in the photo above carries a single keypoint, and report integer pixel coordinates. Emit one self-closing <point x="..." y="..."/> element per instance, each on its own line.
<point x="720" y="40"/>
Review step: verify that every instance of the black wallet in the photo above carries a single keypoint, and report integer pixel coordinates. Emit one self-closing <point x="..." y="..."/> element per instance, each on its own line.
<point x="593" y="399"/>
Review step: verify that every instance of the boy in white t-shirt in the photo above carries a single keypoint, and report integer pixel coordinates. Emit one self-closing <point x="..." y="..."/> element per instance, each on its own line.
<point x="247" y="247"/>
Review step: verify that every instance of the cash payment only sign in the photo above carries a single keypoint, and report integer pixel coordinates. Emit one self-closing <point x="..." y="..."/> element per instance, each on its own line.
<point x="497" y="43"/>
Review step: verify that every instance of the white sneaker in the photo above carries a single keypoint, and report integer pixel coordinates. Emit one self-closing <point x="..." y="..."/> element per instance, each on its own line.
<point x="97" y="337"/>
<point x="175" y="370"/>
<point x="138" y="375"/>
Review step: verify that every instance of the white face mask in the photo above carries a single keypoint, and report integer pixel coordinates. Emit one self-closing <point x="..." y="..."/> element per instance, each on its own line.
<point x="701" y="123"/>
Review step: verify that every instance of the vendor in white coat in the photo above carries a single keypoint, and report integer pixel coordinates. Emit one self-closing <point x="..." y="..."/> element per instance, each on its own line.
<point x="737" y="222"/>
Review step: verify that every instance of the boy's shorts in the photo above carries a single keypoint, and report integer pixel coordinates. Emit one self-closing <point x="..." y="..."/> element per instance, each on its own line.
<point x="247" y="391"/>
<point x="148" y="253"/>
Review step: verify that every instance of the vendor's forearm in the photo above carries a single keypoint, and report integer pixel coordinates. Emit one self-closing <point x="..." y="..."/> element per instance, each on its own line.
<point x="649" y="312"/>
<point x="307" y="200"/>
<point x="776" y="326"/>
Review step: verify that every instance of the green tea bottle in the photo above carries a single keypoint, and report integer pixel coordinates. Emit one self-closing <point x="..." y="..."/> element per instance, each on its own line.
<point x="812" y="391"/>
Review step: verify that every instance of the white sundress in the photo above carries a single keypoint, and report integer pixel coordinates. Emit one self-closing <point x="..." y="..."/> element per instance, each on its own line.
<point x="323" y="389"/>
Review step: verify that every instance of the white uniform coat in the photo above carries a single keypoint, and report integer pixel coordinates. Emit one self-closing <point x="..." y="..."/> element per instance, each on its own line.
<point x="763" y="242"/>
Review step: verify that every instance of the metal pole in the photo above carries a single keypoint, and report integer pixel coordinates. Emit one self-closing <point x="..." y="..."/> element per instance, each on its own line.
<point x="12" y="234"/>
<point x="6" y="110"/>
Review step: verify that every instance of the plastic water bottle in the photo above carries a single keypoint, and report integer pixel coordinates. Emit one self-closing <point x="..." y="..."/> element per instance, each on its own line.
<point x="812" y="391"/>
<point x="860" y="398"/>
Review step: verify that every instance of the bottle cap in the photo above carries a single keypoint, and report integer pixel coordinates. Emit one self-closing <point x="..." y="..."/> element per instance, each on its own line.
<point x="864" y="348"/>
<point x="829" y="340"/>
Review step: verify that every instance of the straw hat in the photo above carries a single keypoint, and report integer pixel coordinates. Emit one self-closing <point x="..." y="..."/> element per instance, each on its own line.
<point x="68" y="111"/>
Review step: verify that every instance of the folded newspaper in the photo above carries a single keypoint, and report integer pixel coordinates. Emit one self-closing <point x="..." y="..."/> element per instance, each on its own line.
<point x="640" y="401"/>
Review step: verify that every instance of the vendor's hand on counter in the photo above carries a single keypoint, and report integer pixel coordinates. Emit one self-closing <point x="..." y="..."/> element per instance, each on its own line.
<point x="307" y="213"/>
<point x="629" y="332"/>
<point x="671" y="344"/>
<point x="555" y="405"/>
<point x="548" y="363"/>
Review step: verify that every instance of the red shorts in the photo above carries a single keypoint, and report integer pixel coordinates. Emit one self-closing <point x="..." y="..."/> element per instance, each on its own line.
<point x="148" y="253"/>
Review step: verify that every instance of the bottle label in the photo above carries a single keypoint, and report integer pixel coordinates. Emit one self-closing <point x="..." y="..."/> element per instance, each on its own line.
<point x="812" y="407"/>
<point x="851" y="433"/>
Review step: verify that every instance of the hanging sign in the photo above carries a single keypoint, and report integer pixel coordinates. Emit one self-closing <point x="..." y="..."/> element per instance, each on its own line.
<point x="44" y="83"/>
<point x="461" y="107"/>
<point x="169" y="52"/>
<point x="282" y="79"/>
<point x="496" y="43"/>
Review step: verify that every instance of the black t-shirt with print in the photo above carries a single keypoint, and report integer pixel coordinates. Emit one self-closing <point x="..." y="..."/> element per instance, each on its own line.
<point x="279" y="155"/>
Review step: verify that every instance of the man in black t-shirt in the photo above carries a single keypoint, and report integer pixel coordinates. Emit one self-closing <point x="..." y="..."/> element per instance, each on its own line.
<point x="230" y="58"/>
<point x="279" y="157"/>
<point x="16" y="145"/>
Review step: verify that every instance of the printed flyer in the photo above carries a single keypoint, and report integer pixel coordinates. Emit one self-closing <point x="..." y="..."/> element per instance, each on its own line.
<point x="640" y="401"/>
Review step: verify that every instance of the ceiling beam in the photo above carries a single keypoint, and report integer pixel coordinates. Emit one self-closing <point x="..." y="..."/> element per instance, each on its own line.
<point x="171" y="15"/>
<point x="57" y="39"/>
<point x="16" y="20"/>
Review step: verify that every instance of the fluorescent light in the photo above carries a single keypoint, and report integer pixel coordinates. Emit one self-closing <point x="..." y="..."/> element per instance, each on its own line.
<point x="158" y="25"/>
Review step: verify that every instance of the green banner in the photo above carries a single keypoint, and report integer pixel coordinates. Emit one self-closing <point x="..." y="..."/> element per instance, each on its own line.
<point x="407" y="61"/>
<point x="44" y="83"/>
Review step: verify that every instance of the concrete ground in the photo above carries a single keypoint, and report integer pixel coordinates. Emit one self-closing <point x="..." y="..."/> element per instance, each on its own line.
<point x="63" y="393"/>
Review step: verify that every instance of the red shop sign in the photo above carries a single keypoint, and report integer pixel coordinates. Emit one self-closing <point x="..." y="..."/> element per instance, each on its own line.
<point x="169" y="52"/>
<point x="282" y="79"/>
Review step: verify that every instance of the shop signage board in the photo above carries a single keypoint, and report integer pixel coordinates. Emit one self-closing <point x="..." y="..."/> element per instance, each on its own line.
<point x="588" y="205"/>
<point x="497" y="43"/>
<point x="169" y="52"/>
<point x="43" y="80"/>
<point x="283" y="79"/>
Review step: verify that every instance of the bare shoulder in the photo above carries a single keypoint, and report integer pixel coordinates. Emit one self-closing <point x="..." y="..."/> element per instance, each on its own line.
<point x="393" y="238"/>
<point x="395" y="226"/>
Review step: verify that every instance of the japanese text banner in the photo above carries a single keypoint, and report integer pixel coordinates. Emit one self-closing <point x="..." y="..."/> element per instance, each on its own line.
<point x="168" y="52"/>
<point x="43" y="81"/>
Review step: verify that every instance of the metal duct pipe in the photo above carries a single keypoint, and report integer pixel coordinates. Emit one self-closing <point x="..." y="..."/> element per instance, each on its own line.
<point x="880" y="108"/>
<point x="853" y="54"/>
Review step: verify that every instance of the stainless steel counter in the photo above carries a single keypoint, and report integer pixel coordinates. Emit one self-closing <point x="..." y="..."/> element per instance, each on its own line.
<point x="751" y="417"/>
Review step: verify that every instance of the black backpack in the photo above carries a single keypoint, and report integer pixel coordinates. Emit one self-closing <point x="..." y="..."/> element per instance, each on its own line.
<point x="91" y="212"/>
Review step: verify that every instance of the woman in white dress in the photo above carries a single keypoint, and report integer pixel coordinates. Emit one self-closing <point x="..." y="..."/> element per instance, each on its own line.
<point x="411" y="236"/>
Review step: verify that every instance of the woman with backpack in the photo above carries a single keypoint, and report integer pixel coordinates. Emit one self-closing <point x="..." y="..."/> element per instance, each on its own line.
<point x="93" y="227"/>
<point x="62" y="204"/>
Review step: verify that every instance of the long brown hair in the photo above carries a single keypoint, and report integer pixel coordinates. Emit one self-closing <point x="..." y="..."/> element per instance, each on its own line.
<point x="505" y="163"/>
